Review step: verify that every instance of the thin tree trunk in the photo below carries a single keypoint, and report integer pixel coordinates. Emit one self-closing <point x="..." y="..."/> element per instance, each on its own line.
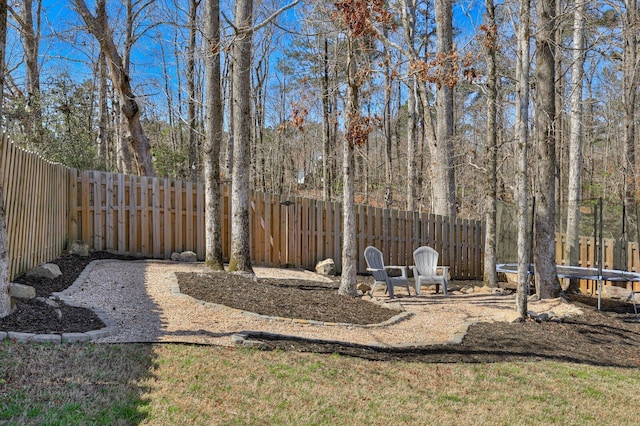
<point x="411" y="144"/>
<point x="490" y="274"/>
<point x="31" y="45"/>
<point x="574" y="195"/>
<point x="230" y="122"/>
<point x="326" y="124"/>
<point x="547" y="285"/>
<point x="240" y="259"/>
<point x="630" y="94"/>
<point x="388" y="194"/>
<point x="103" y="137"/>
<point x="5" y="300"/>
<point x="213" y="140"/>
<point x="522" y="137"/>
<point x="191" y="90"/>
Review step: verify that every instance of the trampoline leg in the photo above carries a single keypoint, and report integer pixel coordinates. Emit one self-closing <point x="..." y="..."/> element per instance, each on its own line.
<point x="635" y="309"/>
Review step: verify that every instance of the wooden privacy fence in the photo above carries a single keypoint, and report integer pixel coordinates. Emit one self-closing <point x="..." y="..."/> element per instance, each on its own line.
<point x="154" y="217"/>
<point x="47" y="205"/>
<point x="36" y="204"/>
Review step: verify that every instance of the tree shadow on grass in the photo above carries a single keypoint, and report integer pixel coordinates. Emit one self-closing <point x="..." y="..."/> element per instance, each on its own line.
<point x="74" y="383"/>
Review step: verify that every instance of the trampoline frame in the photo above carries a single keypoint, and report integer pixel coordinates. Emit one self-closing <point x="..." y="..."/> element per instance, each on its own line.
<point x="583" y="273"/>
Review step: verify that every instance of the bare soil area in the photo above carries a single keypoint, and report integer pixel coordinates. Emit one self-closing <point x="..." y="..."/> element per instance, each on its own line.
<point x="608" y="337"/>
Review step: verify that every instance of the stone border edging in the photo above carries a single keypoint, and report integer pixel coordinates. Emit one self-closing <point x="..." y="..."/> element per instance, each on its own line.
<point x="58" y="338"/>
<point x="244" y="338"/>
<point x="175" y="289"/>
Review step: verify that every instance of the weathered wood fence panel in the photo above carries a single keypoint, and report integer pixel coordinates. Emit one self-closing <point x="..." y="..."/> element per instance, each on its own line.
<point x="36" y="207"/>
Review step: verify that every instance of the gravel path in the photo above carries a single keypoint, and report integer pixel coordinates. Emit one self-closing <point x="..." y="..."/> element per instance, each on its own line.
<point x="140" y="301"/>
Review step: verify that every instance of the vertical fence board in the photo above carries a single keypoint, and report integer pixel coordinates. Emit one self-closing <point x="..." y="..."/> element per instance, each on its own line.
<point x="167" y="215"/>
<point x="200" y="228"/>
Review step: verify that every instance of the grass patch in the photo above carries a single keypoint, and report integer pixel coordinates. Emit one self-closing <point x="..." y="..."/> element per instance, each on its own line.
<point x="189" y="384"/>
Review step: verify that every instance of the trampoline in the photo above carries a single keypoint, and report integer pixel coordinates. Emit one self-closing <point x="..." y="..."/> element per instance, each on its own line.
<point x="583" y="273"/>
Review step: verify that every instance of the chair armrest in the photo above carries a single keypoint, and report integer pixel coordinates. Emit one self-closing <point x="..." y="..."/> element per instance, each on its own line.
<point x="443" y="270"/>
<point x="402" y="268"/>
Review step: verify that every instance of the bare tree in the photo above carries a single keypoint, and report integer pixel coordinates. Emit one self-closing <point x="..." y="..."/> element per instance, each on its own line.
<point x="240" y="259"/>
<point x="98" y="26"/>
<point x="5" y="299"/>
<point x="444" y="189"/>
<point x="191" y="89"/>
<point x="213" y="139"/>
<point x="630" y="81"/>
<point x="349" y="255"/>
<point x="30" y="33"/>
<point x="575" y="136"/>
<point x="490" y="43"/>
<point x="522" y="140"/>
<point x="547" y="285"/>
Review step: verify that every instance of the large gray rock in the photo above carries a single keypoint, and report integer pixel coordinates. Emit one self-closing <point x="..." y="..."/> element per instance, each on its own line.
<point x="615" y="292"/>
<point x="21" y="291"/>
<point x="326" y="267"/>
<point x="185" y="256"/>
<point x="46" y="270"/>
<point x="79" y="248"/>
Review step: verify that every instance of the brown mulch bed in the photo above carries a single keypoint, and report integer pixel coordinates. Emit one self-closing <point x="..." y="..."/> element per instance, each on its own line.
<point x="610" y="337"/>
<point x="283" y="298"/>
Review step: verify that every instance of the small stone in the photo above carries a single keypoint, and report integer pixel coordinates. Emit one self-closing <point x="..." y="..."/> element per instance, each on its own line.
<point x="364" y="287"/>
<point x="79" y="248"/>
<point x="21" y="291"/>
<point x="326" y="267"/>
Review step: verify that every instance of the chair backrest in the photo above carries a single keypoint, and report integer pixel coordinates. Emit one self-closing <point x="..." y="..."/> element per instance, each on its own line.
<point x="426" y="260"/>
<point x="373" y="256"/>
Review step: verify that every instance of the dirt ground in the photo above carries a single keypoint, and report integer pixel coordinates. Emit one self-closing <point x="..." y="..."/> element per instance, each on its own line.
<point x="608" y="337"/>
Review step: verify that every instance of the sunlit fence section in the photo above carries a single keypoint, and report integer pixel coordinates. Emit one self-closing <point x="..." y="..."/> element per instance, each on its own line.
<point x="36" y="205"/>
<point x="49" y="205"/>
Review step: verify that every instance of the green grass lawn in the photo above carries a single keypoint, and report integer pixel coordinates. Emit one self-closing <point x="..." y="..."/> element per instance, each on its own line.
<point x="171" y="384"/>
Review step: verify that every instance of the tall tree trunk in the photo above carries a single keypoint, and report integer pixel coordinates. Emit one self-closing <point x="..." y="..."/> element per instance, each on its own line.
<point x="240" y="259"/>
<point x="522" y="137"/>
<point x="103" y="121"/>
<point x="191" y="90"/>
<point x="388" y="164"/>
<point x="349" y="255"/>
<point x="630" y="80"/>
<point x="99" y="27"/>
<point x="412" y="139"/>
<point x="230" y="122"/>
<point x="490" y="274"/>
<point x="326" y="124"/>
<point x="31" y="46"/>
<point x="213" y="139"/>
<point x="547" y="285"/>
<point x="5" y="299"/>
<point x="444" y="187"/>
<point x="574" y="195"/>
<point x="408" y="14"/>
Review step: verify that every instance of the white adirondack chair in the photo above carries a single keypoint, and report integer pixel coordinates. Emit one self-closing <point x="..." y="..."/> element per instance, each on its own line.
<point x="426" y="269"/>
<point x="375" y="265"/>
